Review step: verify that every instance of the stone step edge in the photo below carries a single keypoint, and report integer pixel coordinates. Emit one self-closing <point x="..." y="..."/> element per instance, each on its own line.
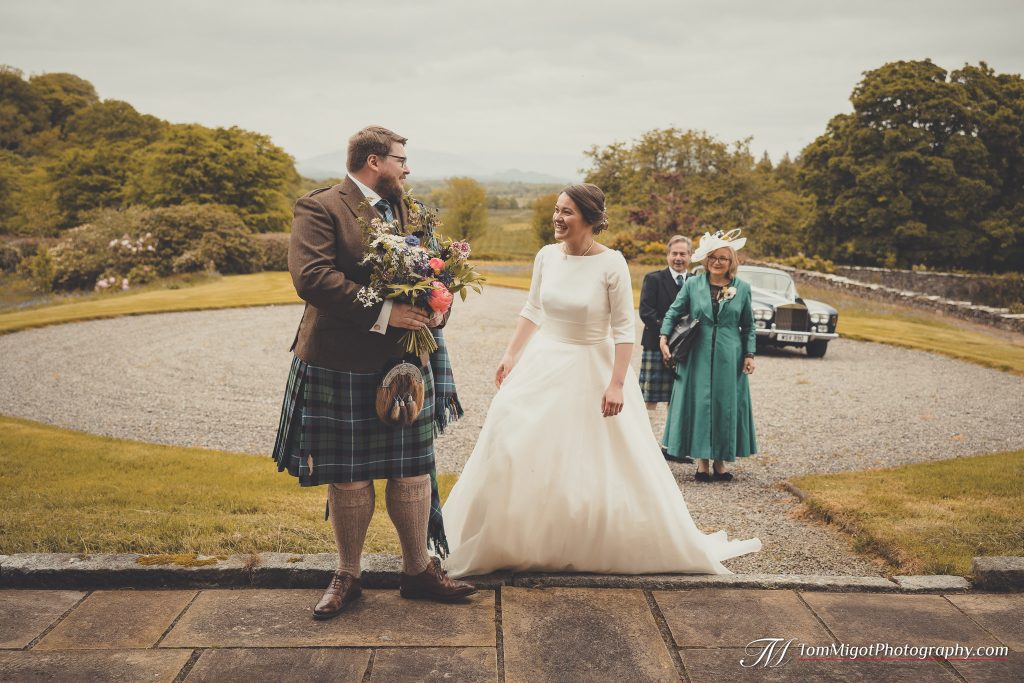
<point x="289" y="570"/>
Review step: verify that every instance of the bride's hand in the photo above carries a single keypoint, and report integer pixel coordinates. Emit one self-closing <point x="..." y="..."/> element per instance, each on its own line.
<point x="504" y="367"/>
<point x="611" y="402"/>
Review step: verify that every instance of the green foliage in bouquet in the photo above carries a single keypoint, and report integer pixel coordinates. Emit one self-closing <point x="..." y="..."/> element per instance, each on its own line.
<point x="416" y="265"/>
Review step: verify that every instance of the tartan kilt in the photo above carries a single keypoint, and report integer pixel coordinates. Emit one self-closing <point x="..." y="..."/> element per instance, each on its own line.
<point x="329" y="415"/>
<point x="655" y="379"/>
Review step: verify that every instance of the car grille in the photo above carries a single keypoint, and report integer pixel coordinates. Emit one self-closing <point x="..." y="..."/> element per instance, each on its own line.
<point x="792" y="318"/>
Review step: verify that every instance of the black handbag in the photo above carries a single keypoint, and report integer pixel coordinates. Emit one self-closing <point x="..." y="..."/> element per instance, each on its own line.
<point x="682" y="338"/>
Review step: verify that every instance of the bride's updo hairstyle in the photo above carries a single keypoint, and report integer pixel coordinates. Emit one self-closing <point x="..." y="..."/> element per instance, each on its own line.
<point x="589" y="199"/>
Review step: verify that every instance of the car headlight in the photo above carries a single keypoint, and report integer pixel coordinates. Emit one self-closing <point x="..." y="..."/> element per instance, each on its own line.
<point x="762" y="314"/>
<point x="818" y="318"/>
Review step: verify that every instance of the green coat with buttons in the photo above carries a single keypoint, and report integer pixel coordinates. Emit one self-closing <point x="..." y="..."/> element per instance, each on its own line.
<point x="710" y="415"/>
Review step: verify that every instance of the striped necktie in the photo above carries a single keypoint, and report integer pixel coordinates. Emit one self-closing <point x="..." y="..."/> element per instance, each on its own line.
<point x="384" y="207"/>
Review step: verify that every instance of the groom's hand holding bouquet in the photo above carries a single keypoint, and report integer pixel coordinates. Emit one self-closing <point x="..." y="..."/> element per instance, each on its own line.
<point x="418" y="267"/>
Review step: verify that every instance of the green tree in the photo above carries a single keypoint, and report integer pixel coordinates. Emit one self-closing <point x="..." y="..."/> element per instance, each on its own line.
<point x="228" y="166"/>
<point x="64" y="154"/>
<point x="925" y="170"/>
<point x="112" y="121"/>
<point x="543" y="211"/>
<point x="63" y="94"/>
<point x="11" y="170"/>
<point x="35" y="197"/>
<point x="88" y="179"/>
<point x="465" y="205"/>
<point x="779" y="211"/>
<point x="23" y="110"/>
<point x="673" y="181"/>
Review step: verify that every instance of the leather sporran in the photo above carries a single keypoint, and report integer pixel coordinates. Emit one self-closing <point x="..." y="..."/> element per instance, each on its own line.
<point x="682" y="338"/>
<point x="400" y="395"/>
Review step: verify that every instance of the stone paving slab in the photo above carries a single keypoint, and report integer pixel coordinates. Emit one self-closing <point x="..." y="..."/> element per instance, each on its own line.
<point x="559" y="634"/>
<point x="114" y="666"/>
<point x="1002" y="615"/>
<point x="723" y="666"/>
<point x="733" y="618"/>
<point x="25" y="614"/>
<point x="993" y="670"/>
<point x="434" y="665"/>
<point x="117" y="620"/>
<point x="309" y="665"/>
<point x="284" y="618"/>
<point x="860" y="619"/>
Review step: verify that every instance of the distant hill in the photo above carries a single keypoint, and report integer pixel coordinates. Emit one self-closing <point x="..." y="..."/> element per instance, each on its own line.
<point x="429" y="164"/>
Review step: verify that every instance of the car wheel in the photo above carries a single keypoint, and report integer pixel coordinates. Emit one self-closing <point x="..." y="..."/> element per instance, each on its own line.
<point x="817" y="348"/>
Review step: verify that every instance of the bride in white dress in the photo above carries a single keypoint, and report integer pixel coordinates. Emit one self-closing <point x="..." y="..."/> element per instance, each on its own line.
<point x="567" y="474"/>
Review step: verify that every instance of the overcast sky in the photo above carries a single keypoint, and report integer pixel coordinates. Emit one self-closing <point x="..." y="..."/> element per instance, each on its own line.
<point x="525" y="84"/>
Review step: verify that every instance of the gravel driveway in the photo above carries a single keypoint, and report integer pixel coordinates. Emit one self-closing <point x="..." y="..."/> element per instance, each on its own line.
<point x="215" y="379"/>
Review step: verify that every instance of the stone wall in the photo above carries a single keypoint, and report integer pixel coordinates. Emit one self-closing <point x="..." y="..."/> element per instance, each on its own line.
<point x="989" y="315"/>
<point x="989" y="290"/>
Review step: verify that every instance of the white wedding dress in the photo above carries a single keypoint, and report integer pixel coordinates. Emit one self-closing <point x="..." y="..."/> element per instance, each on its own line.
<point x="553" y="485"/>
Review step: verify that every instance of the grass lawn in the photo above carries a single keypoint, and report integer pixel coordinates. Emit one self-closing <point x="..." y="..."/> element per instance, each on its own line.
<point x="929" y="518"/>
<point x="64" y="491"/>
<point x="258" y="289"/>
<point x="867" y="320"/>
<point x="509" y="235"/>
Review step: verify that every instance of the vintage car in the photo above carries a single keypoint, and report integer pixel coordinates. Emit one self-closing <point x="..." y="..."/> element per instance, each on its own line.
<point x="782" y="318"/>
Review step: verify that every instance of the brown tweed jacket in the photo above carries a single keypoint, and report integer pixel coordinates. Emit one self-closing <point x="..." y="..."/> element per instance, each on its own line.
<point x="323" y="259"/>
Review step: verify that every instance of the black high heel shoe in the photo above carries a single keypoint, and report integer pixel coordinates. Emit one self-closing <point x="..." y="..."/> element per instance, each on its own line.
<point x="703" y="477"/>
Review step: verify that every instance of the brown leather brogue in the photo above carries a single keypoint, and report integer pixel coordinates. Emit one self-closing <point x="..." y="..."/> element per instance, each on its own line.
<point x="434" y="584"/>
<point x="342" y="592"/>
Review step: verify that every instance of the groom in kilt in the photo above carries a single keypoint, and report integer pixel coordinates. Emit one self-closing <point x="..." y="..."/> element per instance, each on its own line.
<point x="659" y="290"/>
<point x="329" y="431"/>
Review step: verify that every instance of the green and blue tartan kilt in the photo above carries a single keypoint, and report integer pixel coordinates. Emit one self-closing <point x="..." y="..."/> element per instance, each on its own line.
<point x="655" y="379"/>
<point x="329" y="419"/>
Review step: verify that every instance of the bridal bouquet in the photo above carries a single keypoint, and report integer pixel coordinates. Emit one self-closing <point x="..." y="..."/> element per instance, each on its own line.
<point x="417" y="266"/>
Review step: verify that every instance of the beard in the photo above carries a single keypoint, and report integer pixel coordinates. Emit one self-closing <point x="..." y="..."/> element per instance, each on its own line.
<point x="389" y="188"/>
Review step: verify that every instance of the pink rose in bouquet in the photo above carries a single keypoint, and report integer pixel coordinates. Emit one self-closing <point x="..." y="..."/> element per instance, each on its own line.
<point x="439" y="299"/>
<point x="436" y="264"/>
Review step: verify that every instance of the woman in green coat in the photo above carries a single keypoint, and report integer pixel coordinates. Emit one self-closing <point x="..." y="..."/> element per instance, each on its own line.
<point x="709" y="415"/>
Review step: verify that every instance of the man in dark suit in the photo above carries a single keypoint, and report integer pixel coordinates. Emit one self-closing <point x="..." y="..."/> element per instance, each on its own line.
<point x="329" y="431"/>
<point x="659" y="290"/>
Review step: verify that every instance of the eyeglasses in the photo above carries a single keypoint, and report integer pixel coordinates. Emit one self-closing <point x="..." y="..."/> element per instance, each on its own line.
<point x="401" y="160"/>
<point x="719" y="259"/>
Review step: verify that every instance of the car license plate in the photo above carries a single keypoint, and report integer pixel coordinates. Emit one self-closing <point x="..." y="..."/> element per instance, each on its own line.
<point x="802" y="338"/>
